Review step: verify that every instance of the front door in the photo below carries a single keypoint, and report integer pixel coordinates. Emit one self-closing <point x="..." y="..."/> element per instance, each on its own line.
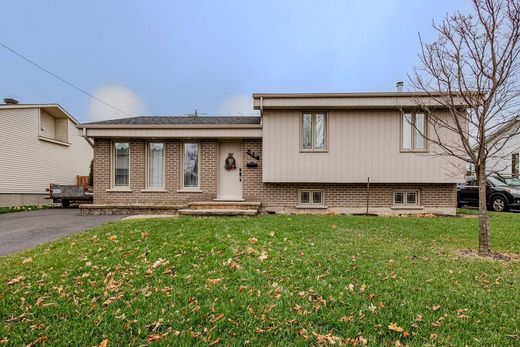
<point x="230" y="171"/>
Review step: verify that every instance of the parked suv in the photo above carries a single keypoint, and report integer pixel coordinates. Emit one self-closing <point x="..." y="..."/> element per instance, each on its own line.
<point x="500" y="195"/>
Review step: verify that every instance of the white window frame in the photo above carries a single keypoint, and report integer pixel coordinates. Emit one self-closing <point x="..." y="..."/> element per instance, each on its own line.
<point x="113" y="166"/>
<point x="313" y="136"/>
<point x="184" y="188"/>
<point x="311" y="203"/>
<point x="147" y="166"/>
<point x="414" y="131"/>
<point x="405" y="197"/>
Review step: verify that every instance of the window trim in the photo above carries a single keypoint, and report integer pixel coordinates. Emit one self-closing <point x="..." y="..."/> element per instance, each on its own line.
<point x="413" y="149"/>
<point x="405" y="198"/>
<point x="313" y="122"/>
<point x="113" y="186"/>
<point x="189" y="189"/>
<point x="147" y="167"/>
<point x="311" y="204"/>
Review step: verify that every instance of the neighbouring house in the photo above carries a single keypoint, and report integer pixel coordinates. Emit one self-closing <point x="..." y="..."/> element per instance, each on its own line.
<point x="505" y="154"/>
<point x="304" y="153"/>
<point x="39" y="145"/>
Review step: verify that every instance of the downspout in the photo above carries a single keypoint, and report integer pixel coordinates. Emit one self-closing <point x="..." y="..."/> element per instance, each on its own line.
<point x="261" y="110"/>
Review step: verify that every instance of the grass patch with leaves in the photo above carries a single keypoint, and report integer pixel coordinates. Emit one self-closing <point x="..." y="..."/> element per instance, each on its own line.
<point x="24" y="208"/>
<point x="270" y="280"/>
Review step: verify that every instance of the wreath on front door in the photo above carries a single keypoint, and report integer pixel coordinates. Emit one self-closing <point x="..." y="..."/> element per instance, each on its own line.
<point x="230" y="163"/>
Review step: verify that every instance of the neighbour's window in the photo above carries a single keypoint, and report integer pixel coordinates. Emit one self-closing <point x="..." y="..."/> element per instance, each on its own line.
<point x="413" y="132"/>
<point x="190" y="165"/>
<point x="155" y="165"/>
<point x="121" y="164"/>
<point x="311" y="198"/>
<point x="406" y="198"/>
<point x="515" y="164"/>
<point x="314" y="132"/>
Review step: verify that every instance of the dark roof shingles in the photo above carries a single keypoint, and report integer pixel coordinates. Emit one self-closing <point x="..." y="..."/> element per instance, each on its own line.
<point x="181" y="120"/>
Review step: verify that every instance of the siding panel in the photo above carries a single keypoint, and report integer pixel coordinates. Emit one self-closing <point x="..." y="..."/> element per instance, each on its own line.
<point x="361" y="144"/>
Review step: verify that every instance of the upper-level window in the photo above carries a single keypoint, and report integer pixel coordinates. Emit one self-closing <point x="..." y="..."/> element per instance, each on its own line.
<point x="515" y="164"/>
<point x="413" y="132"/>
<point x="53" y="128"/>
<point x="121" y="164"/>
<point x="155" y="165"/>
<point x="190" y="163"/>
<point x="314" y="131"/>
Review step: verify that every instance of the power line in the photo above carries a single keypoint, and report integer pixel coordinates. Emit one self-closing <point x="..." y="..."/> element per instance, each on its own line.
<point x="63" y="80"/>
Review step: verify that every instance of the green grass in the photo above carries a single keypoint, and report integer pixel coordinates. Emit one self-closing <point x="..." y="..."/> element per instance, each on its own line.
<point x="23" y="208"/>
<point x="339" y="276"/>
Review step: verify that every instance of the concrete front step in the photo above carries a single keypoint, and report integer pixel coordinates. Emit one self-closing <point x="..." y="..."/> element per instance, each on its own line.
<point x="224" y="205"/>
<point x="219" y="212"/>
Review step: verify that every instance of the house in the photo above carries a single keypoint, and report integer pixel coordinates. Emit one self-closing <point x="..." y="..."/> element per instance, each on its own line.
<point x="505" y="154"/>
<point x="335" y="153"/>
<point x="39" y="145"/>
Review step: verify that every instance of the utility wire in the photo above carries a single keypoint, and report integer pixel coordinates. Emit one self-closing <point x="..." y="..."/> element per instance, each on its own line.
<point x="63" y="80"/>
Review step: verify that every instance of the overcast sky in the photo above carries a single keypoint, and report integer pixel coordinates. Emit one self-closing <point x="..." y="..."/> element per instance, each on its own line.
<point x="172" y="57"/>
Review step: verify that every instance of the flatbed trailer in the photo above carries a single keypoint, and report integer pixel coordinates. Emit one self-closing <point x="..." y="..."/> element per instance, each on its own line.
<point x="69" y="193"/>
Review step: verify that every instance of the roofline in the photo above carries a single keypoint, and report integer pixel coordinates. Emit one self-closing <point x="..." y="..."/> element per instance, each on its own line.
<point x="58" y="106"/>
<point x="169" y="126"/>
<point x="349" y="95"/>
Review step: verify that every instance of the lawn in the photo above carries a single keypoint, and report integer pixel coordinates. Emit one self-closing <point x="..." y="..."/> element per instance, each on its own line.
<point x="23" y="208"/>
<point x="270" y="280"/>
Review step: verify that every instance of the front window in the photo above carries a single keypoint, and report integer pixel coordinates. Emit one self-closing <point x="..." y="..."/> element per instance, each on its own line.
<point x="406" y="198"/>
<point x="314" y="131"/>
<point x="156" y="165"/>
<point x="121" y="164"/>
<point x="191" y="165"/>
<point x="413" y="132"/>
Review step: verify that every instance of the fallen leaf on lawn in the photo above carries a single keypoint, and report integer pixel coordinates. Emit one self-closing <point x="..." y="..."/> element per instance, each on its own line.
<point x="38" y="341"/>
<point x="395" y="328"/>
<point x="214" y="281"/>
<point x="145" y="234"/>
<point x="215" y="342"/>
<point x="346" y="319"/>
<point x="263" y="256"/>
<point x="27" y="260"/>
<point x="152" y="338"/>
<point x="253" y="240"/>
<point x="418" y="318"/>
<point x="112" y="238"/>
<point x="351" y="288"/>
<point x="16" y="280"/>
<point x="104" y="343"/>
<point x="436" y="307"/>
<point x="159" y="262"/>
<point x="250" y="250"/>
<point x="462" y="316"/>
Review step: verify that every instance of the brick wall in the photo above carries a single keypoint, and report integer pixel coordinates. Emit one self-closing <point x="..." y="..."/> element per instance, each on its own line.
<point x="172" y="179"/>
<point x="280" y="196"/>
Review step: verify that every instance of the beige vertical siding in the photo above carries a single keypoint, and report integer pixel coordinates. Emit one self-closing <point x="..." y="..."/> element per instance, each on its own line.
<point x="28" y="164"/>
<point x="361" y="144"/>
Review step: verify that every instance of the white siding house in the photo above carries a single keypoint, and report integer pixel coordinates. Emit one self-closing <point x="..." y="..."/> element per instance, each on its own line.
<point x="39" y="144"/>
<point x="506" y="160"/>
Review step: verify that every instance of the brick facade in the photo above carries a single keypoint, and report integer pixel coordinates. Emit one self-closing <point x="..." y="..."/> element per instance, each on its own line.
<point x="279" y="197"/>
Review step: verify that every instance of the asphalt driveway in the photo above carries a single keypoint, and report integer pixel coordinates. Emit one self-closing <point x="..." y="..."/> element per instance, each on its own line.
<point x="23" y="230"/>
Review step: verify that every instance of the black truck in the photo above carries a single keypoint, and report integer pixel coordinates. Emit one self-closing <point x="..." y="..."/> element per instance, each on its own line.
<point x="499" y="195"/>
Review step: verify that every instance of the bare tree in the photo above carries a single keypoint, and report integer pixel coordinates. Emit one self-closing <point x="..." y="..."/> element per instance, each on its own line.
<point x="472" y="70"/>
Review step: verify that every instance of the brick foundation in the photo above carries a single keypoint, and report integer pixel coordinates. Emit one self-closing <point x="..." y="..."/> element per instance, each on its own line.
<point x="275" y="197"/>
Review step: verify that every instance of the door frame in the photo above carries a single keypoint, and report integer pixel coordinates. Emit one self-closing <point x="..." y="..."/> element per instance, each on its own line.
<point x="239" y="167"/>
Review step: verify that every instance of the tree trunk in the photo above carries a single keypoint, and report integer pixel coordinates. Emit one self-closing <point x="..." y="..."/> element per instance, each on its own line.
<point x="483" y="236"/>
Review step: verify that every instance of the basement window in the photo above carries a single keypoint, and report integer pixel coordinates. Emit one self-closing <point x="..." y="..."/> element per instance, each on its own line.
<point x="310" y="198"/>
<point x="53" y="129"/>
<point x="406" y="198"/>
